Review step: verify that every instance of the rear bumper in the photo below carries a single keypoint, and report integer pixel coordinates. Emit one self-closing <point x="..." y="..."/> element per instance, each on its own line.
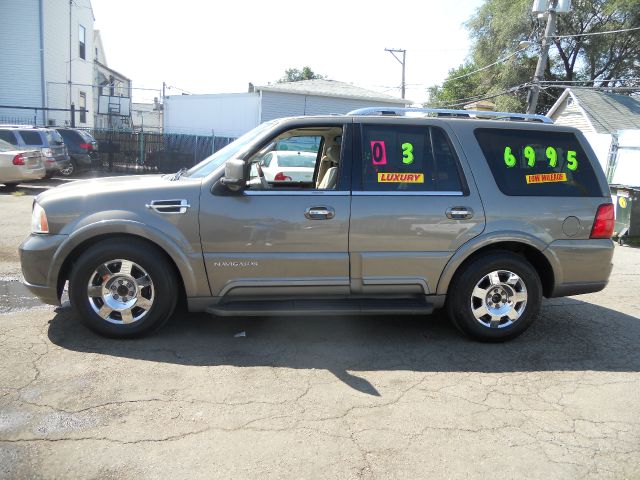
<point x="25" y="175"/>
<point x="581" y="266"/>
<point x="55" y="164"/>
<point x="36" y="254"/>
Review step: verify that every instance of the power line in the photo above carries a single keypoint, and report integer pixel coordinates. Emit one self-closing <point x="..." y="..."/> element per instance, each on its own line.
<point x="597" y="33"/>
<point x="631" y="79"/>
<point x="464" y="101"/>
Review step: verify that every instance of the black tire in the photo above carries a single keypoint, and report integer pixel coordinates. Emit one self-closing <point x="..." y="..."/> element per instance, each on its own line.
<point x="460" y="298"/>
<point x="10" y="187"/>
<point x="147" y="259"/>
<point x="70" y="169"/>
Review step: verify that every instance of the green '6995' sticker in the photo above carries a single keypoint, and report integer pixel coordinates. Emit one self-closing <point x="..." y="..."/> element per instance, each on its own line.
<point x="551" y="154"/>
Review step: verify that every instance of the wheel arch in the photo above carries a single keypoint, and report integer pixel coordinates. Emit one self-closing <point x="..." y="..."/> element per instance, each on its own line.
<point x="531" y="249"/>
<point x="86" y="237"/>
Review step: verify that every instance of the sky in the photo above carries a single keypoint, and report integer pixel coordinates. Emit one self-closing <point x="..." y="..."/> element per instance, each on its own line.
<point x="219" y="47"/>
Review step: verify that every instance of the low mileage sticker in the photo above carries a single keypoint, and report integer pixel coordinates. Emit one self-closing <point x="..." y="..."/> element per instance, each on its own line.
<point x="546" y="178"/>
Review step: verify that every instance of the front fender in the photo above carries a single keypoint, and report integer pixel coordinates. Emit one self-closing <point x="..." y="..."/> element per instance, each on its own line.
<point x="189" y="262"/>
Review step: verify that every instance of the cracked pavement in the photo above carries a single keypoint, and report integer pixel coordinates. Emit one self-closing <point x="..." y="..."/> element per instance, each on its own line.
<point x="334" y="397"/>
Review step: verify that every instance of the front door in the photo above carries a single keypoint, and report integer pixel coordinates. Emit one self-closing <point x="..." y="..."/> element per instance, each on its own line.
<point x="287" y="232"/>
<point x="413" y="206"/>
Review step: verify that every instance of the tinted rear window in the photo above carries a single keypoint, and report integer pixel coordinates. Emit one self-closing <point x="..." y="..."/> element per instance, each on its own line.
<point x="538" y="163"/>
<point x="8" y="136"/>
<point x="69" y="136"/>
<point x="296" y="160"/>
<point x="31" y="137"/>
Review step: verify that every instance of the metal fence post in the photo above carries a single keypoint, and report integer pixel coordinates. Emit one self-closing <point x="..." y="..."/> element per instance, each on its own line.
<point x="141" y="157"/>
<point x="195" y="151"/>
<point x="213" y="142"/>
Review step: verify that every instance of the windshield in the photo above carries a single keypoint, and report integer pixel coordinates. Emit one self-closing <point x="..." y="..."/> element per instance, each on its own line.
<point x="214" y="161"/>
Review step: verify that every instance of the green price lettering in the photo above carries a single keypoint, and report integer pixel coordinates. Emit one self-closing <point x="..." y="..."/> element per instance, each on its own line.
<point x="509" y="158"/>
<point x="530" y="155"/>
<point x="572" y="161"/>
<point x="407" y="153"/>
<point x="552" y="155"/>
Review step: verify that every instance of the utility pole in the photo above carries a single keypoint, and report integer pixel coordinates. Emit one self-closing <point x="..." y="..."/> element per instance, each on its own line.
<point x="549" y="32"/>
<point x="393" y="52"/>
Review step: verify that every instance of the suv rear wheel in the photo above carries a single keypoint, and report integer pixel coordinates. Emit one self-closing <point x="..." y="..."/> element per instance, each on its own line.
<point x="123" y="288"/>
<point x="495" y="298"/>
<point x="70" y="169"/>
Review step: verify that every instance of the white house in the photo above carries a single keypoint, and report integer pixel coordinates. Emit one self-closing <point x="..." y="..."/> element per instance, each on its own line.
<point x="611" y="123"/>
<point x="233" y="114"/>
<point x="51" y="58"/>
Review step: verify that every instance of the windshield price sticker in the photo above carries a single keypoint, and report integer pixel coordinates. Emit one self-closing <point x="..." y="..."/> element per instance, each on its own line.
<point x="551" y="155"/>
<point x="400" y="177"/>
<point x="546" y="178"/>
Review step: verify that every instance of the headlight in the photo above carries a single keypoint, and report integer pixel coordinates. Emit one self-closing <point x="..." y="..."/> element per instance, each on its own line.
<point x="39" y="222"/>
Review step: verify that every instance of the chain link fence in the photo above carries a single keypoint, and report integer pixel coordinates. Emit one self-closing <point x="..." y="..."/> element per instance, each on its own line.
<point x="154" y="152"/>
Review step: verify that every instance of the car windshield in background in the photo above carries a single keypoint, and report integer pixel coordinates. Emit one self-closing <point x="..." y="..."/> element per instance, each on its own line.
<point x="296" y="159"/>
<point x="214" y="161"/>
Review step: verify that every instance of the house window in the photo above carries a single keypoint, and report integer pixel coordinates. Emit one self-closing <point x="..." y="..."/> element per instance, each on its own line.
<point x="81" y="37"/>
<point x="83" y="107"/>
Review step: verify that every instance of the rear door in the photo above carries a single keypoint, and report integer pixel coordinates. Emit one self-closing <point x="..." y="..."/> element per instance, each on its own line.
<point x="414" y="204"/>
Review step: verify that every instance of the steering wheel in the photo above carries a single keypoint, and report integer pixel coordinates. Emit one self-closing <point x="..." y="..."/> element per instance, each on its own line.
<point x="263" y="180"/>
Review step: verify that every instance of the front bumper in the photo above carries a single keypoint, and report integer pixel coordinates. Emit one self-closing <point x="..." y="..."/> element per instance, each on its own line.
<point x="36" y="255"/>
<point x="582" y="266"/>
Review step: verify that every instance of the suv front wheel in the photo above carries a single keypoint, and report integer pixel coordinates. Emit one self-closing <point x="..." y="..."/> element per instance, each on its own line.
<point x="123" y="288"/>
<point x="495" y="298"/>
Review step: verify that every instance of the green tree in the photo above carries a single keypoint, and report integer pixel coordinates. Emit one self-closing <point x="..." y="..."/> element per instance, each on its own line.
<point x="499" y="26"/>
<point x="295" y="75"/>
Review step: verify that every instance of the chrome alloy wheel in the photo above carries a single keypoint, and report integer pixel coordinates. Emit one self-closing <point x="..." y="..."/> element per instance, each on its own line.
<point x="499" y="299"/>
<point x="120" y="291"/>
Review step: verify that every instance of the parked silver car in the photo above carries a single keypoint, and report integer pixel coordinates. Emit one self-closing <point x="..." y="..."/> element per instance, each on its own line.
<point x="47" y="140"/>
<point x="19" y="165"/>
<point x="403" y="214"/>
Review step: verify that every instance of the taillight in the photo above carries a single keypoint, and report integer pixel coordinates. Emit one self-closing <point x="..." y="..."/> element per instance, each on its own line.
<point x="86" y="146"/>
<point x="47" y="152"/>
<point x="603" y="224"/>
<point x="281" y="177"/>
<point x="18" y="159"/>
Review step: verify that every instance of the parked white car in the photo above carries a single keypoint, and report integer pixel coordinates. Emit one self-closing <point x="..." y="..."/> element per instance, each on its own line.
<point x="288" y="166"/>
<point x="18" y="165"/>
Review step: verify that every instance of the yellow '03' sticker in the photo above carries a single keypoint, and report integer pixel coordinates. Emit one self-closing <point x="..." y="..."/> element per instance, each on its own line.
<point x="400" y="177"/>
<point x="547" y="178"/>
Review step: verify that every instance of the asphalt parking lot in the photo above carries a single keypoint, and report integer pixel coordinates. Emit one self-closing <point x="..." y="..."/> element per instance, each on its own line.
<point x="341" y="398"/>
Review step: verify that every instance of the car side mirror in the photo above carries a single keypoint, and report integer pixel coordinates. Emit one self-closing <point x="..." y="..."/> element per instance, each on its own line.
<point x="234" y="177"/>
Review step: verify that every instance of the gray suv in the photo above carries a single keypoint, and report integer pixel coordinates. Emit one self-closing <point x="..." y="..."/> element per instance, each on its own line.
<point x="406" y="211"/>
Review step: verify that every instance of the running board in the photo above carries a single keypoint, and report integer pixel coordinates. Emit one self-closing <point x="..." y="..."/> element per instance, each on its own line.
<point x="322" y="307"/>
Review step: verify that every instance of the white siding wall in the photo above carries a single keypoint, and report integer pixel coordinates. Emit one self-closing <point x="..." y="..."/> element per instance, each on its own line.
<point x="572" y="116"/>
<point x="56" y="61"/>
<point x="20" y="66"/>
<point x="278" y="105"/>
<point x="228" y="115"/>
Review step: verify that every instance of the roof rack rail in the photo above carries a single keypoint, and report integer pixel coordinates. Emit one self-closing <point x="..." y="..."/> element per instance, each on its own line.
<point x="444" y="112"/>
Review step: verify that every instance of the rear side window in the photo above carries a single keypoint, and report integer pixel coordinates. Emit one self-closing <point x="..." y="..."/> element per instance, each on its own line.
<point x="68" y="136"/>
<point x="408" y="158"/>
<point x="30" y="137"/>
<point x="538" y="163"/>
<point x="8" y="136"/>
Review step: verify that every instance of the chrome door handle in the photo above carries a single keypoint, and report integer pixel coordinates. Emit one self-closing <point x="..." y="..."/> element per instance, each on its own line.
<point x="319" y="213"/>
<point x="459" y="213"/>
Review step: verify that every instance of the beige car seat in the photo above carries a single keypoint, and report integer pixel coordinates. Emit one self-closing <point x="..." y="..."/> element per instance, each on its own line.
<point x="328" y="171"/>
